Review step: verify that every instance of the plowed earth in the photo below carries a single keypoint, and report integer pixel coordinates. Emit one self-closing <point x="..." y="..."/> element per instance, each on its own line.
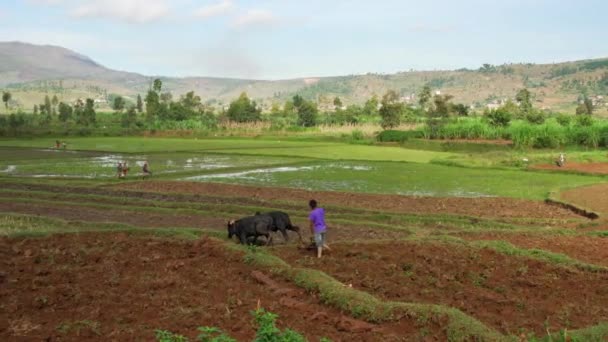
<point x="77" y="287"/>
<point x="505" y="292"/>
<point x="481" y="207"/>
<point x="589" y="249"/>
<point x="593" y="197"/>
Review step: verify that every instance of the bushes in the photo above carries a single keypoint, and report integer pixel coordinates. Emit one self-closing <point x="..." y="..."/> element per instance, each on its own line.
<point x="535" y="117"/>
<point x="563" y="119"/>
<point x="584" y="120"/>
<point x="397" y="136"/>
<point x="498" y="118"/>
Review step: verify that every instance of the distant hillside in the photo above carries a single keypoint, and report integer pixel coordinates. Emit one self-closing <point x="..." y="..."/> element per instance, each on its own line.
<point x="31" y="71"/>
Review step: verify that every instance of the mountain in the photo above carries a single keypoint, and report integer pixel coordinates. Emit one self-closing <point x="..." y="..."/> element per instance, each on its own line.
<point x="33" y="71"/>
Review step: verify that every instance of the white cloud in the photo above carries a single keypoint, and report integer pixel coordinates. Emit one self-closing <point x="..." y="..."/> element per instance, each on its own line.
<point x="221" y="8"/>
<point x="133" y="11"/>
<point x="255" y="17"/>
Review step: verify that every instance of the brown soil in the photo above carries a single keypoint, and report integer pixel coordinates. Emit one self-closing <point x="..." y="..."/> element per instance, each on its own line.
<point x="118" y="287"/>
<point x="593" y="197"/>
<point x="505" y="292"/>
<point x="484" y="207"/>
<point x="154" y="220"/>
<point x="589" y="249"/>
<point x="593" y="168"/>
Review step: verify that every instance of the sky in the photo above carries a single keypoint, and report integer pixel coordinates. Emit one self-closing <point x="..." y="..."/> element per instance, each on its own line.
<point x="281" y="39"/>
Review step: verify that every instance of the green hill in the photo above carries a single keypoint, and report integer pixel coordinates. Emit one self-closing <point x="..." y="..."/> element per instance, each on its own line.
<point x="32" y="71"/>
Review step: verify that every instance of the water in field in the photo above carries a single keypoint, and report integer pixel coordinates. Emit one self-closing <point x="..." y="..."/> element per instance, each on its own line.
<point x="412" y="179"/>
<point x="92" y="165"/>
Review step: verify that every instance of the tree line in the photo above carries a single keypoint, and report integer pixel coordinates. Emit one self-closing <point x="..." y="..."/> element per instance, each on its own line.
<point x="390" y="111"/>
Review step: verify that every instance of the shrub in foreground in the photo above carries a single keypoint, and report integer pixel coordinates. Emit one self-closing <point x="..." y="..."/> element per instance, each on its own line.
<point x="267" y="332"/>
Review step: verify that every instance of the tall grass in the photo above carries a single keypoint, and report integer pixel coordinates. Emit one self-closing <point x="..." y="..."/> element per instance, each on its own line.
<point x="550" y="134"/>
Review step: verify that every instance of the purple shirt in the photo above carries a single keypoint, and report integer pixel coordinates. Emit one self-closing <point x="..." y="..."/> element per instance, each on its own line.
<point x="317" y="217"/>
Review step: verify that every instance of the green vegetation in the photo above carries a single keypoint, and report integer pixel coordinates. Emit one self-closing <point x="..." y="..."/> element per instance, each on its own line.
<point x="267" y="331"/>
<point x="310" y="165"/>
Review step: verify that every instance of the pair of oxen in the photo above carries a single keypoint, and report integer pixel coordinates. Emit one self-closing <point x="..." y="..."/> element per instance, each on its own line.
<point x="248" y="229"/>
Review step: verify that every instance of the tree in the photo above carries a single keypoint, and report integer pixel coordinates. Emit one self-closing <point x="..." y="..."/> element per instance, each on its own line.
<point x="425" y="96"/>
<point x="499" y="117"/>
<point x="524" y="98"/>
<point x="15" y="121"/>
<point x="585" y="107"/>
<point x="54" y="101"/>
<point x="129" y="118"/>
<point x="512" y="108"/>
<point x="35" y="109"/>
<point x="297" y="101"/>
<point x="191" y="101"/>
<point x="166" y="97"/>
<point x="307" y="111"/>
<point x="438" y="113"/>
<point x="42" y="108"/>
<point x="152" y="105"/>
<point x="87" y="113"/>
<point x="461" y="109"/>
<point x="140" y="105"/>
<point x="48" y="108"/>
<point x="391" y="110"/>
<point x="157" y="85"/>
<point x="6" y="97"/>
<point x="243" y="110"/>
<point x="442" y="107"/>
<point x="337" y="103"/>
<point x="119" y="103"/>
<point x="371" y="106"/>
<point x="65" y="112"/>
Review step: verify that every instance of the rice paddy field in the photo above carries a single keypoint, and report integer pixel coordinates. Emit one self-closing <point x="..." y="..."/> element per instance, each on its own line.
<point x="430" y="242"/>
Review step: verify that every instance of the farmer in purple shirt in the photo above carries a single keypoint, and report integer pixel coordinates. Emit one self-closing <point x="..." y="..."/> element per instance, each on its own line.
<point x="317" y="226"/>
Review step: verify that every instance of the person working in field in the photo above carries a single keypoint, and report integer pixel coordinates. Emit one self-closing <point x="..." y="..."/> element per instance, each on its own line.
<point x="561" y="161"/>
<point x="125" y="169"/>
<point x="318" y="227"/>
<point x="146" y="170"/>
<point x="119" y="170"/>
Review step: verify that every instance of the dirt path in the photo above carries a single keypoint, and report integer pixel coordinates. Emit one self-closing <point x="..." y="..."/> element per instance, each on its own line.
<point x="592" y="168"/>
<point x="119" y="287"/>
<point x="483" y="207"/>
<point x="593" y="197"/>
<point x="507" y="293"/>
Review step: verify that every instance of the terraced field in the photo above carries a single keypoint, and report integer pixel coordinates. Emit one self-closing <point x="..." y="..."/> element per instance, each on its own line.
<point x="97" y="258"/>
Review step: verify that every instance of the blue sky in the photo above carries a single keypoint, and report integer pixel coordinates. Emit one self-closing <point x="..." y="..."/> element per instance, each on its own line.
<point x="277" y="39"/>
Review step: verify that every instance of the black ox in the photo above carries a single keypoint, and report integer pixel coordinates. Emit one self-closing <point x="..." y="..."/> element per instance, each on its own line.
<point x="251" y="226"/>
<point x="282" y="223"/>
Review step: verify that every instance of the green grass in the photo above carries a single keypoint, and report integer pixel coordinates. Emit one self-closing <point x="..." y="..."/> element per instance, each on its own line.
<point x="319" y="150"/>
<point x="297" y="164"/>
<point x="407" y="179"/>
